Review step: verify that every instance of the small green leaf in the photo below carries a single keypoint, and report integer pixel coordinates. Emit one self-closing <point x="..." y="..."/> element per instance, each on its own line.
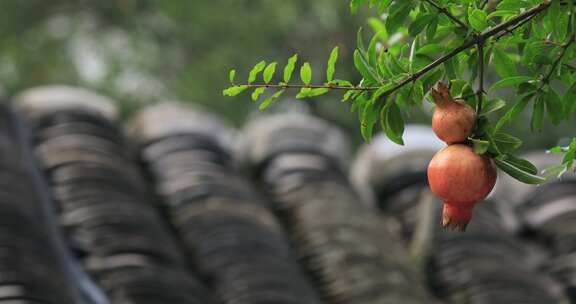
<point x="256" y="70"/>
<point x="289" y="68"/>
<point x="510" y="81"/>
<point x="348" y="95"/>
<point x="518" y="173"/>
<point x="492" y="106"/>
<point x="233" y="91"/>
<point x="430" y="49"/>
<point x="431" y="29"/>
<point x="556" y="150"/>
<point x="269" y="72"/>
<point x="332" y="64"/>
<point x="232" y="75"/>
<point x="478" y="20"/>
<point x="268" y="101"/>
<point x="420" y="23"/>
<point x="480" y="146"/>
<point x="538" y="115"/>
<point x="306" y="73"/>
<point x="393" y="122"/>
<point x="257" y="92"/>
<point x="360" y="42"/>
<point x="506" y="142"/>
<point x="521" y="163"/>
<point x="304" y="92"/>
<point x="362" y="66"/>
<point x="318" y="92"/>
<point x="504" y="65"/>
<point x="398" y="12"/>
<point x="554" y="106"/>
<point x="515" y="110"/>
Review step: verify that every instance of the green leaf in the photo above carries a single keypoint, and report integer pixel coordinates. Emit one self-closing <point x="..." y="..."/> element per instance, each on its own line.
<point x="515" y="110"/>
<point x="492" y="106"/>
<point x="348" y="95"/>
<point x="552" y="16"/>
<point x="510" y="81"/>
<point x="331" y="68"/>
<point x="556" y="150"/>
<point x="371" y="55"/>
<point x="393" y="122"/>
<point x="257" y="92"/>
<point x="306" y="73"/>
<point x="256" y="70"/>
<point x="430" y="49"/>
<point x="451" y="67"/>
<point x="420" y="23"/>
<point x="360" y="42"/>
<point x="235" y="90"/>
<point x="362" y="66"/>
<point x="518" y="173"/>
<point x="368" y="114"/>
<point x="318" y="92"/>
<point x="431" y="29"/>
<point x="538" y="115"/>
<point x="269" y="72"/>
<point x="480" y="146"/>
<point x="268" y="101"/>
<point x="554" y="106"/>
<point x="232" y="75"/>
<point x="521" y="163"/>
<point x="506" y="142"/>
<point x="304" y="92"/>
<point x="289" y="68"/>
<point x="561" y="24"/>
<point x="504" y="65"/>
<point x="397" y="14"/>
<point x="478" y="20"/>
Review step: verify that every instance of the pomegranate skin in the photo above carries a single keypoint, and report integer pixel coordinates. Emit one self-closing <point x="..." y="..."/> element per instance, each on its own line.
<point x="452" y="121"/>
<point x="457" y="174"/>
<point x="461" y="178"/>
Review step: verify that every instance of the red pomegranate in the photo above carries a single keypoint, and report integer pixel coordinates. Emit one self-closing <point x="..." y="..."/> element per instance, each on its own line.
<point x="461" y="178"/>
<point x="452" y="121"/>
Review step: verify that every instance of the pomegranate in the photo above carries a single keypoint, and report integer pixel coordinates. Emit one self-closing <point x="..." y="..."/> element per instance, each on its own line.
<point x="452" y="121"/>
<point x="461" y="178"/>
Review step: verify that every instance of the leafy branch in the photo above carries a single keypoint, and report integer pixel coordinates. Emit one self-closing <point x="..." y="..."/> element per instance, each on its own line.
<point x="398" y="72"/>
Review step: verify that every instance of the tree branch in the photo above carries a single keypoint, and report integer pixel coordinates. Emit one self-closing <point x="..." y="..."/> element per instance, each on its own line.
<point x="475" y="40"/>
<point x="526" y="15"/>
<point x="311" y="86"/>
<point x="509" y="31"/>
<point x="447" y="13"/>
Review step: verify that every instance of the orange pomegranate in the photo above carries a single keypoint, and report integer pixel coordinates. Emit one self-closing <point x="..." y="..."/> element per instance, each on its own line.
<point x="452" y="121"/>
<point x="461" y="178"/>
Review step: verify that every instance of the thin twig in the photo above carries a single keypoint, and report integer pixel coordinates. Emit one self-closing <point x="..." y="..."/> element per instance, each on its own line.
<point x="447" y="13"/>
<point x="556" y="62"/>
<point x="480" y="91"/>
<point x="311" y="86"/>
<point x="483" y="4"/>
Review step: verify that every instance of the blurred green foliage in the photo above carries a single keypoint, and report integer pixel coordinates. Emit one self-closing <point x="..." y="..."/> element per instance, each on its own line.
<point x="143" y="51"/>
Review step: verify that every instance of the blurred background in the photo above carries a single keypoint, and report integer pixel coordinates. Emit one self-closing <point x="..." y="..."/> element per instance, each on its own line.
<point x="140" y="51"/>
